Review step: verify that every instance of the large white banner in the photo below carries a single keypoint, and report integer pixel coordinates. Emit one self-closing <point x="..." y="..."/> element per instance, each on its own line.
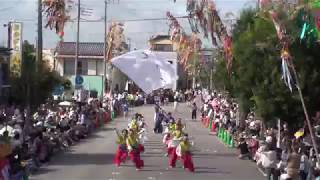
<point x="16" y="45"/>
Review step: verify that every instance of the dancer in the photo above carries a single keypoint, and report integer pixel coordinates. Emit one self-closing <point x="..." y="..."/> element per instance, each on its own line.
<point x="121" y="153"/>
<point x="183" y="151"/>
<point x="133" y="148"/>
<point x="141" y="133"/>
<point x="179" y="125"/>
<point x="177" y="135"/>
<point x="166" y="140"/>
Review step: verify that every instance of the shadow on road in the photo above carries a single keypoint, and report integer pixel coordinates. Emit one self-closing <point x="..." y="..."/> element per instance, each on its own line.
<point x="72" y="159"/>
<point x="210" y="172"/>
<point x="43" y="170"/>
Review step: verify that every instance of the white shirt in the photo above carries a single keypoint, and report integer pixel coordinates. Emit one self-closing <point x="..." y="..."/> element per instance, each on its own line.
<point x="82" y="119"/>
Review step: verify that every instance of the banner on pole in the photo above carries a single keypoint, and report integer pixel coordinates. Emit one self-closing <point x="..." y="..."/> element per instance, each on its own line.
<point x="15" y="30"/>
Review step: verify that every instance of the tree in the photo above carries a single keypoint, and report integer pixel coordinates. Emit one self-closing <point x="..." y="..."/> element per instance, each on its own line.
<point x="255" y="79"/>
<point x="35" y="84"/>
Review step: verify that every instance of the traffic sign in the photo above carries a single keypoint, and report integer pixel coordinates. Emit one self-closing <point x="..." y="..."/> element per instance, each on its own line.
<point x="79" y="80"/>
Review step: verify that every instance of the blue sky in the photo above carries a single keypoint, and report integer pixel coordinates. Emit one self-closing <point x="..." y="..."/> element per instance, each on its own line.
<point x="139" y="32"/>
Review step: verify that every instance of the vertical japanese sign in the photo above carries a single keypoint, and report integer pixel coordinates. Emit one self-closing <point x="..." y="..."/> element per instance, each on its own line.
<point x="15" y="31"/>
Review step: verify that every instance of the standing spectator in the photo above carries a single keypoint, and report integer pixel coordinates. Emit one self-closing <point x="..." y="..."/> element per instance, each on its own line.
<point x="194" y="111"/>
<point x="304" y="165"/>
<point x="175" y="101"/>
<point x="293" y="164"/>
<point x="269" y="162"/>
<point x="125" y="108"/>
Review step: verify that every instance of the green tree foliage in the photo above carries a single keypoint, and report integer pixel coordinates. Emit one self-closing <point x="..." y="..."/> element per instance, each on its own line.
<point x="255" y="79"/>
<point x="36" y="82"/>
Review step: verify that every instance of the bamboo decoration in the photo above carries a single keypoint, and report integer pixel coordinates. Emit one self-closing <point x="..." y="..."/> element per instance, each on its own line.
<point x="204" y="15"/>
<point x="187" y="45"/>
<point x="56" y="12"/>
<point x="115" y="40"/>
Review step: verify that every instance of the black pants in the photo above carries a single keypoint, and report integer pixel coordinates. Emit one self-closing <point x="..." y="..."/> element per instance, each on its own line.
<point x="303" y="175"/>
<point x="194" y="114"/>
<point x="158" y="127"/>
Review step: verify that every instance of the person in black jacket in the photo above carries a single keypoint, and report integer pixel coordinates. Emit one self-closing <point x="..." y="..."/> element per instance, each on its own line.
<point x="244" y="150"/>
<point x="158" y="123"/>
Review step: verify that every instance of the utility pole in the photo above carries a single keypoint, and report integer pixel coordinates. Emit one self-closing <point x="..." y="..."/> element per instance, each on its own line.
<point x="39" y="39"/>
<point x="211" y="74"/>
<point x="77" y="42"/>
<point x="194" y="70"/>
<point x="105" y="49"/>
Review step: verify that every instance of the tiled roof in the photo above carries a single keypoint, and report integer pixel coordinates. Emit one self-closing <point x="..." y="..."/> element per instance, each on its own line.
<point x="5" y="51"/>
<point x="85" y="48"/>
<point x="159" y="37"/>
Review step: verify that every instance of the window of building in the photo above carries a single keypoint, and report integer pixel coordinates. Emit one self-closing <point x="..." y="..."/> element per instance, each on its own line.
<point x="5" y="73"/>
<point x="100" y="68"/>
<point x="163" y="47"/>
<point x="69" y="67"/>
<point x="83" y="67"/>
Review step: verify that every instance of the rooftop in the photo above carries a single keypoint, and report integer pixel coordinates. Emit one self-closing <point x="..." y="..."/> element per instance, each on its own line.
<point x="5" y="51"/>
<point x="159" y="37"/>
<point x="85" y="48"/>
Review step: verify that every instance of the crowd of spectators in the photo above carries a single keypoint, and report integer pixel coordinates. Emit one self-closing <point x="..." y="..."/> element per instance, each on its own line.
<point x="279" y="152"/>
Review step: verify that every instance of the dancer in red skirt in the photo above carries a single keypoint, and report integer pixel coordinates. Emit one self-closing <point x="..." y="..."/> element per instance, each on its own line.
<point x="121" y="153"/>
<point x="134" y="149"/>
<point x="177" y="135"/>
<point x="166" y="140"/>
<point x="185" y="153"/>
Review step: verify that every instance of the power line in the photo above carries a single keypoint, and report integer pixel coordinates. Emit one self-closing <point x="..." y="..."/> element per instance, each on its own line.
<point x="101" y="20"/>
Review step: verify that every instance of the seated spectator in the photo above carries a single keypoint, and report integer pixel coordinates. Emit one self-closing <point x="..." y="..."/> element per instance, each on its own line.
<point x="244" y="151"/>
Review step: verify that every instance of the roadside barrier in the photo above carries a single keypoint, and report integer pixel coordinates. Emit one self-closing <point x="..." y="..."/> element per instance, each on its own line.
<point x="225" y="137"/>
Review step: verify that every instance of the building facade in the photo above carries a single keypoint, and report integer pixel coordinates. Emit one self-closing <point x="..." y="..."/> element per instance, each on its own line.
<point x="90" y="64"/>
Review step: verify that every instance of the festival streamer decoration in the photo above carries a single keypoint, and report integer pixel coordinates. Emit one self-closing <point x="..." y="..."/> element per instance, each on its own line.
<point x="204" y="15"/>
<point x="56" y="12"/>
<point x="307" y="21"/>
<point x="187" y="45"/>
<point x="286" y="60"/>
<point x="115" y="39"/>
<point x="288" y="66"/>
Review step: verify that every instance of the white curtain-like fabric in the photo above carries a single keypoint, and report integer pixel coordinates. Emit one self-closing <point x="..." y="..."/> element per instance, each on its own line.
<point x="148" y="70"/>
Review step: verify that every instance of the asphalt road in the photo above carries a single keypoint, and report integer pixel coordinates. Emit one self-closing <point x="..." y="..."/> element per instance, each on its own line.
<point x="92" y="158"/>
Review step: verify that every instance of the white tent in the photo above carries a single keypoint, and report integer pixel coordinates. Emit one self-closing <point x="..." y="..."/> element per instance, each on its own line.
<point x="148" y="70"/>
<point x="65" y="103"/>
